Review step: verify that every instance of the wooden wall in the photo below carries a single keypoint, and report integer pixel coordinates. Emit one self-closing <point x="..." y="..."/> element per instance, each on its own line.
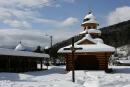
<point x="17" y="63"/>
<point x="101" y="57"/>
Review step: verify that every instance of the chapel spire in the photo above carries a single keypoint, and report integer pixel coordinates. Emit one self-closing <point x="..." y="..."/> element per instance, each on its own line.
<point x="90" y="24"/>
<point x="89" y="21"/>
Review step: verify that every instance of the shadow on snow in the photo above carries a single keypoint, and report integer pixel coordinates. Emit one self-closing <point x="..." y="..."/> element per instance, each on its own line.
<point x="25" y="76"/>
<point x="125" y="70"/>
<point x="54" y="70"/>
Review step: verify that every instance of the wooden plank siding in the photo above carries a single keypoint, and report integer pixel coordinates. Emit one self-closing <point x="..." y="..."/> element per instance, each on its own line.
<point x="102" y="58"/>
<point x="18" y="63"/>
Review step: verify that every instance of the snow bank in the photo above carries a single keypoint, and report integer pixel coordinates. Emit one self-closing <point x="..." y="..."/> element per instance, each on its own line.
<point x="58" y="77"/>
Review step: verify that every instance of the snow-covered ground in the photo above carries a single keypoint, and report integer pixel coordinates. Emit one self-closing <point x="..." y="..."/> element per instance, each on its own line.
<point x="56" y="76"/>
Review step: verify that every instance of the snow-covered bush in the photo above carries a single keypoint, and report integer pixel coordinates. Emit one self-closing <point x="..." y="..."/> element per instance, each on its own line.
<point x="112" y="60"/>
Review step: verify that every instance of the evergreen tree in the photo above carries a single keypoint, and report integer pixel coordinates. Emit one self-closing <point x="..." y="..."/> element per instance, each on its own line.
<point x="38" y="49"/>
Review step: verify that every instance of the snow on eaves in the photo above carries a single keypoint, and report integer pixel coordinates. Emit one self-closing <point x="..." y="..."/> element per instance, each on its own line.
<point x="88" y="37"/>
<point x="99" y="47"/>
<point x="84" y="32"/>
<point x="22" y="53"/>
<point x="19" y="47"/>
<point x="90" y="21"/>
<point x="91" y="17"/>
<point x="90" y="31"/>
<point x="99" y="40"/>
<point x="94" y="31"/>
<point x="124" y="61"/>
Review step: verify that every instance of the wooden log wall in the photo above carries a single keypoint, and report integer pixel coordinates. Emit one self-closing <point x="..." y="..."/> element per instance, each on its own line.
<point x="101" y="57"/>
<point x="17" y="63"/>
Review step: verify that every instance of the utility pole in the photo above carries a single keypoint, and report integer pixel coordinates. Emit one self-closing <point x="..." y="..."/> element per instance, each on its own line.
<point x="51" y="42"/>
<point x="50" y="47"/>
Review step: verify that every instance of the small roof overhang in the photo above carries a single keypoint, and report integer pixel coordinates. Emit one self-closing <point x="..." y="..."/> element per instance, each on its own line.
<point x="10" y="52"/>
<point x="99" y="47"/>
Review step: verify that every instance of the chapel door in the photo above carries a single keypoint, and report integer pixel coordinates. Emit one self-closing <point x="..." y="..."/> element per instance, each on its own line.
<point x="86" y="62"/>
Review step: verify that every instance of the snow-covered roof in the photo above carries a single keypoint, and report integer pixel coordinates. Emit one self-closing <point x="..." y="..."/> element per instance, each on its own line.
<point x="84" y="32"/>
<point x="90" y="18"/>
<point x="90" y="31"/>
<point x="89" y="15"/>
<point x="99" y="40"/>
<point x="94" y="31"/>
<point x="22" y="53"/>
<point x="99" y="47"/>
<point x="124" y="61"/>
<point x="90" y="21"/>
<point x="19" y="47"/>
<point x="88" y="37"/>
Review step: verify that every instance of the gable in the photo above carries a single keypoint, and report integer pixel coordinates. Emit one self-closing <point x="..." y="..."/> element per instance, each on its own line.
<point x="85" y="42"/>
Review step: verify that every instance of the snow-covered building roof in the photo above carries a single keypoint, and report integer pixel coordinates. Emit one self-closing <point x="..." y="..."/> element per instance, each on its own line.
<point x="99" y="40"/>
<point x="88" y="37"/>
<point x="84" y="32"/>
<point x="94" y="31"/>
<point x="90" y="15"/>
<point x="22" y="53"/>
<point x="90" y="31"/>
<point x="90" y="18"/>
<point x="19" y="47"/>
<point x="124" y="61"/>
<point x="98" y="46"/>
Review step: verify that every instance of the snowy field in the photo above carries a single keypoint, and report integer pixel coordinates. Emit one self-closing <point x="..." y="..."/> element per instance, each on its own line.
<point x="58" y="77"/>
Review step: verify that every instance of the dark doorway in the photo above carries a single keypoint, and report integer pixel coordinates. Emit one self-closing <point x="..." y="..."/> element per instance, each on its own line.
<point x="86" y="62"/>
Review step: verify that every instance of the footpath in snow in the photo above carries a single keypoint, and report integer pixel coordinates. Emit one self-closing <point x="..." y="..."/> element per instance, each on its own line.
<point x="56" y="76"/>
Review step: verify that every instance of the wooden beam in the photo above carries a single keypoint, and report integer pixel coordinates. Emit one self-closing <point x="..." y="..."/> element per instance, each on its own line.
<point x="41" y="63"/>
<point x="9" y="63"/>
<point x="73" y="50"/>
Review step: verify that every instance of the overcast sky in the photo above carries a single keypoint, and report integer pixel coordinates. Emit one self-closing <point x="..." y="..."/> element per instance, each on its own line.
<point x="30" y="20"/>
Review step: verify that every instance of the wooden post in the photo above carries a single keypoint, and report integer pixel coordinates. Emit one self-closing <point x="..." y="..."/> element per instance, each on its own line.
<point x="9" y="64"/>
<point x="41" y="63"/>
<point x="47" y="62"/>
<point x="106" y="63"/>
<point x="73" y="70"/>
<point x="73" y="49"/>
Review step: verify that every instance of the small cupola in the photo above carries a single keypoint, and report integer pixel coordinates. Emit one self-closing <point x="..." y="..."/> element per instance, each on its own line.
<point x="90" y="25"/>
<point x="89" y="21"/>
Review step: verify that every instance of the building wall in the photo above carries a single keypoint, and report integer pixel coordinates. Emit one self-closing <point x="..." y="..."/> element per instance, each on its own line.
<point x="17" y="63"/>
<point x="102" y="59"/>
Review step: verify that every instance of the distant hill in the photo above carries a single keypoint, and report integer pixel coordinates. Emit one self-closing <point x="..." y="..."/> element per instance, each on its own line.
<point x="116" y="35"/>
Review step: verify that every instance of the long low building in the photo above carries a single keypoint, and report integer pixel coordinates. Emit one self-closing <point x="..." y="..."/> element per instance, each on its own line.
<point x="20" y="61"/>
